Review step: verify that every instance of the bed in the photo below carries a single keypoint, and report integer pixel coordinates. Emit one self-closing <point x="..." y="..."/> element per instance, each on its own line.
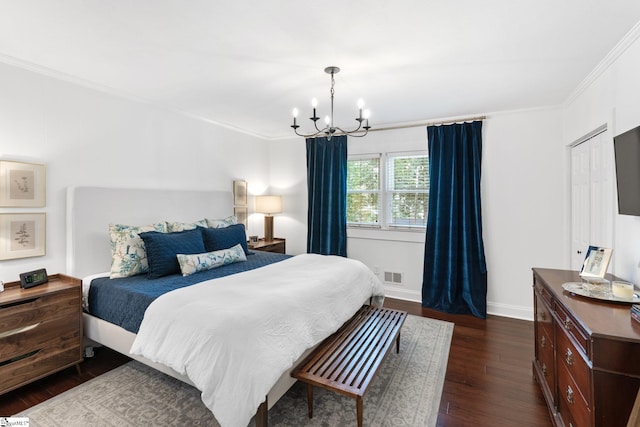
<point x="160" y="339"/>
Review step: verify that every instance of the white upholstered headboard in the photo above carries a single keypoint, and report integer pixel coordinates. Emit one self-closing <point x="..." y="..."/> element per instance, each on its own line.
<point x="90" y="210"/>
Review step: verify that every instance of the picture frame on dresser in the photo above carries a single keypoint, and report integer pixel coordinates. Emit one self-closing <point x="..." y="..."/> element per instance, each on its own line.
<point x="22" y="235"/>
<point x="596" y="262"/>
<point x="22" y="185"/>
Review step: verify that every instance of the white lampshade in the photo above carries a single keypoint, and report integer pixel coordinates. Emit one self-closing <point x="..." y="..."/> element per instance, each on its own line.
<point x="268" y="204"/>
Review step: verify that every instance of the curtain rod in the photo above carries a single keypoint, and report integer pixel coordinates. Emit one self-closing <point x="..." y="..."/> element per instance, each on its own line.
<point x="442" y="122"/>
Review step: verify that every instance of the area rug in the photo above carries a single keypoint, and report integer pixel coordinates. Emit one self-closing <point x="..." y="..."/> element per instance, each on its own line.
<point x="405" y="392"/>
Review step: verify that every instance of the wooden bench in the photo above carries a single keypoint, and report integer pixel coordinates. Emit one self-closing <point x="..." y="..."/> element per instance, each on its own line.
<point x="347" y="361"/>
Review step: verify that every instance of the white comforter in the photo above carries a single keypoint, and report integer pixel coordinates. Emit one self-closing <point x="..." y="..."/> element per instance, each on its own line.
<point x="235" y="336"/>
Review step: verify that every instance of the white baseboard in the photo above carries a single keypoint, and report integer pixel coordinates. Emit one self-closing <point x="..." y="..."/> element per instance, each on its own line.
<point x="496" y="309"/>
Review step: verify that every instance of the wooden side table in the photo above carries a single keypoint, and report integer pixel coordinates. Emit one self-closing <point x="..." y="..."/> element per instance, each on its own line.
<point x="276" y="245"/>
<point x="40" y="330"/>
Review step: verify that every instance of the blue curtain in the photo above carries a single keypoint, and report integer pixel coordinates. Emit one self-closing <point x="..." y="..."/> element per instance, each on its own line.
<point x="327" y="186"/>
<point x="455" y="271"/>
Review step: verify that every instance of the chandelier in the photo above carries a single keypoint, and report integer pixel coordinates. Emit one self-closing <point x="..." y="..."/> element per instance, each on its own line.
<point x="330" y="129"/>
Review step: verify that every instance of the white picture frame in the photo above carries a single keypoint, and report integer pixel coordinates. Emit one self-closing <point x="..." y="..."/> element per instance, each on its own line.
<point x="22" y="185"/>
<point x="22" y="235"/>
<point x="596" y="262"/>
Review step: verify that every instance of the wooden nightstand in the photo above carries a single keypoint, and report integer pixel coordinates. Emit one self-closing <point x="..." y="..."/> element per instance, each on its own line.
<point x="276" y="245"/>
<point x="40" y="330"/>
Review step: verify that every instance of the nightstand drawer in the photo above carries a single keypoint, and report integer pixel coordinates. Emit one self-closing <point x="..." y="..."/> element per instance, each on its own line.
<point x="26" y="339"/>
<point x="28" y="311"/>
<point x="37" y="364"/>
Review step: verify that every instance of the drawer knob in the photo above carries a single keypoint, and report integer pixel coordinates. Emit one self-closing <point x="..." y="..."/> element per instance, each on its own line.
<point x="569" y="357"/>
<point x="567" y="323"/>
<point x="569" y="394"/>
<point x="543" y="315"/>
<point x="544" y="369"/>
<point x="543" y="342"/>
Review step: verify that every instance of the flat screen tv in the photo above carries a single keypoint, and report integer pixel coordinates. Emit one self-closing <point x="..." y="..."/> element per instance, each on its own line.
<point x="626" y="147"/>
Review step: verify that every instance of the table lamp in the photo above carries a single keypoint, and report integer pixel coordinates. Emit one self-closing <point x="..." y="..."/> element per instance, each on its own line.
<point x="268" y="205"/>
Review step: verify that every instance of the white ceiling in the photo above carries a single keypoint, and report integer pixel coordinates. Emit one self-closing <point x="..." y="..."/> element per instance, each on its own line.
<point x="246" y="63"/>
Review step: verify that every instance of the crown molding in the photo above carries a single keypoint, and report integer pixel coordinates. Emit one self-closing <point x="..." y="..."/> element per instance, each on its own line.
<point x="620" y="48"/>
<point x="88" y="84"/>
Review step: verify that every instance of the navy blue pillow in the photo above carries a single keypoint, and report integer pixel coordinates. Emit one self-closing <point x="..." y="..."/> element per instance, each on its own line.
<point x="162" y="249"/>
<point x="216" y="239"/>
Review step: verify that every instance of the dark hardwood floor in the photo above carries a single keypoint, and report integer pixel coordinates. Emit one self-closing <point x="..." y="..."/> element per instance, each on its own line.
<point x="489" y="380"/>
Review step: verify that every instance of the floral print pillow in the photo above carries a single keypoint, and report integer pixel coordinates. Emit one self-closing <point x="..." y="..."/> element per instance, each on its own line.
<point x="221" y="223"/>
<point x="190" y="264"/>
<point x="128" y="253"/>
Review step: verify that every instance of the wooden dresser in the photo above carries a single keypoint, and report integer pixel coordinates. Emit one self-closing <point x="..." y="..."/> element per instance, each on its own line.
<point x="40" y="330"/>
<point x="587" y="354"/>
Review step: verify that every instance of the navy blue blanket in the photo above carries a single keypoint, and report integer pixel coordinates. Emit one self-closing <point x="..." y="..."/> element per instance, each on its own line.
<point x="124" y="301"/>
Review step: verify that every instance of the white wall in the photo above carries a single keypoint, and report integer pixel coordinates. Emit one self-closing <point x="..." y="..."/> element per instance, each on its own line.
<point x="523" y="181"/>
<point x="86" y="137"/>
<point x="612" y="98"/>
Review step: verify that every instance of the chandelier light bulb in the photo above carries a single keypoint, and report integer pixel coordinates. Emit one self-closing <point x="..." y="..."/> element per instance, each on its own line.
<point x="295" y="112"/>
<point x="367" y="114"/>
<point x="360" y="103"/>
<point x="327" y="120"/>
<point x="314" y="102"/>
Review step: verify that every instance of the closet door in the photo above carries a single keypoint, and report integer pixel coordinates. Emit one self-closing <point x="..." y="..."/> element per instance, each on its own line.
<point x="592" y="196"/>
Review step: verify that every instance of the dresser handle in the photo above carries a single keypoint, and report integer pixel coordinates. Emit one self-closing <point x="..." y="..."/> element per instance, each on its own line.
<point x="18" y="330"/>
<point x="543" y="342"/>
<point x="567" y="323"/>
<point x="544" y="370"/>
<point x="569" y="356"/>
<point x="569" y="394"/>
<point x="543" y="316"/>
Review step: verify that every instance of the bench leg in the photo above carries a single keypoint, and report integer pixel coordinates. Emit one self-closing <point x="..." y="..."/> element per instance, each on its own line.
<point x="262" y="414"/>
<point x="310" y="399"/>
<point x="359" y="410"/>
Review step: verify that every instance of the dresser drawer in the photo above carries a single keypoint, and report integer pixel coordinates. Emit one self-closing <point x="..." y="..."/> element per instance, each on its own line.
<point x="573" y="328"/>
<point x="574" y="362"/>
<point x="29" y="311"/>
<point x="544" y="347"/>
<point x="571" y="403"/>
<point x="543" y="314"/>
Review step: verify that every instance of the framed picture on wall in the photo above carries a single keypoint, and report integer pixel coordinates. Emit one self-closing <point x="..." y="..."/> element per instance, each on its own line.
<point x="22" y="185"/>
<point x="596" y="262"/>
<point x="22" y="235"/>
<point x="240" y="193"/>
<point x="241" y="214"/>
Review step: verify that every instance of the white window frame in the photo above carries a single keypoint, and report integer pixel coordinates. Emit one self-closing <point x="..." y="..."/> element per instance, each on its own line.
<point x="380" y="183"/>
<point x="384" y="194"/>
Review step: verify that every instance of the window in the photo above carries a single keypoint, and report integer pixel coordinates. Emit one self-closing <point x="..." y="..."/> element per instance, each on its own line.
<point x="407" y="190"/>
<point x="363" y="191"/>
<point x="388" y="191"/>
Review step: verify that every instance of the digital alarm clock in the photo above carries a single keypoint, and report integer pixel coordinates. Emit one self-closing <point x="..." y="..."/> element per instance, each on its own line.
<point x="33" y="278"/>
